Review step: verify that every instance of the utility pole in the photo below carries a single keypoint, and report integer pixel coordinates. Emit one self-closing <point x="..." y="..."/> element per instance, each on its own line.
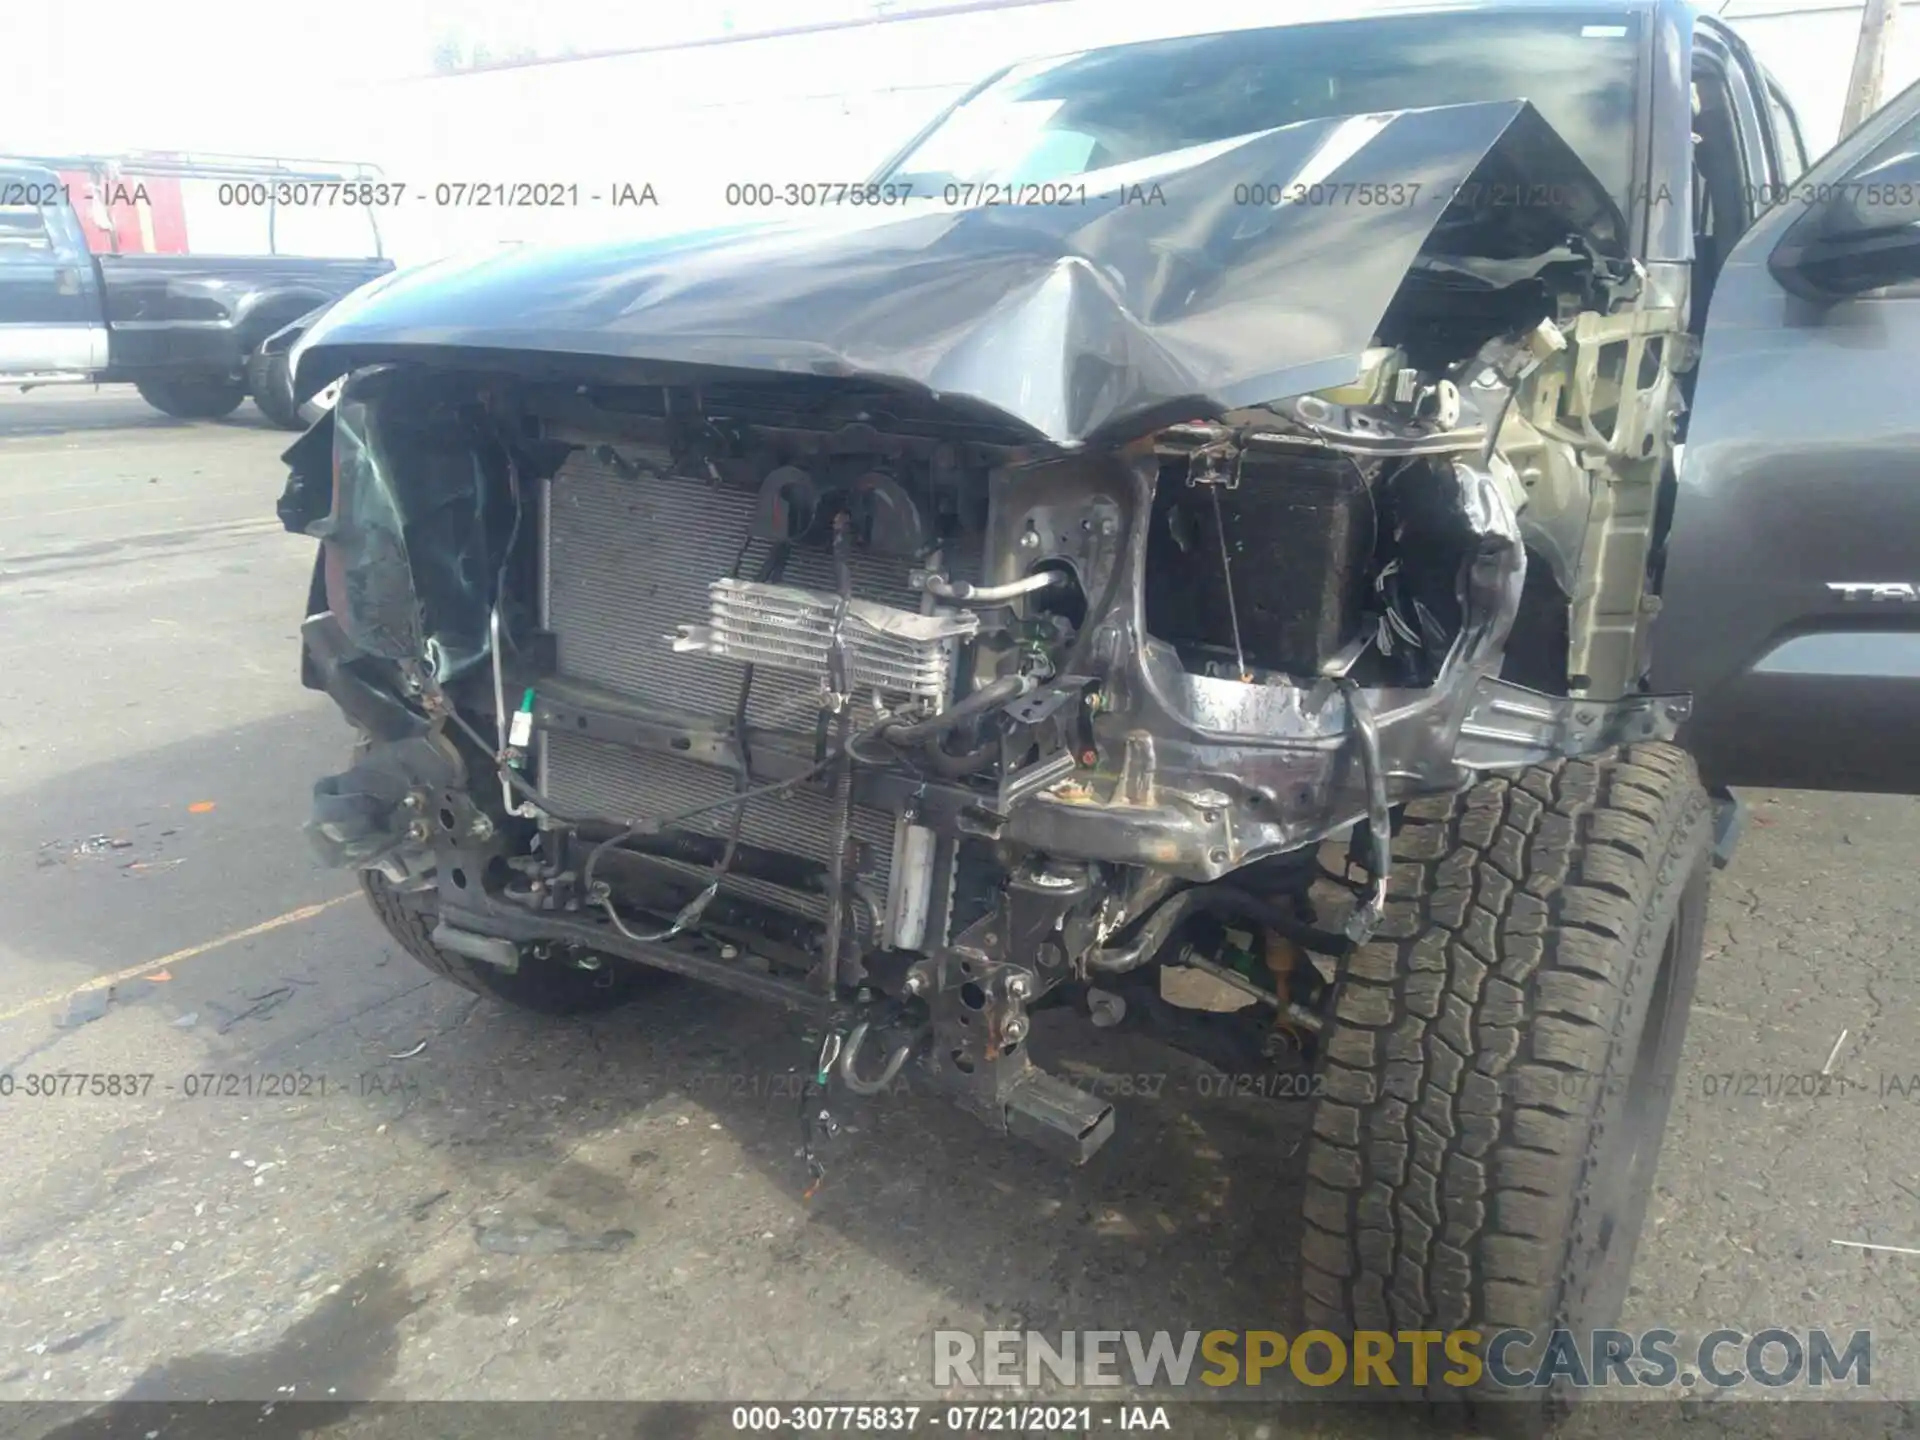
<point x="1869" y="63"/>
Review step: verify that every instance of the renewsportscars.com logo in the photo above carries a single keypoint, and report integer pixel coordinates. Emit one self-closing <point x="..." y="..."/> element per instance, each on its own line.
<point x="1416" y="1359"/>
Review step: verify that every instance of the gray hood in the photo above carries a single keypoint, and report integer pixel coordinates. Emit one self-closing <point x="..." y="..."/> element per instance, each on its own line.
<point x="1177" y="288"/>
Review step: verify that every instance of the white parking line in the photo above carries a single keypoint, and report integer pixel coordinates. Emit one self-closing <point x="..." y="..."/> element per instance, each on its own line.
<point x="134" y="972"/>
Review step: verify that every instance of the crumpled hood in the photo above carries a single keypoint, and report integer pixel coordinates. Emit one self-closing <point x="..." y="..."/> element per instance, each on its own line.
<point x="1172" y="292"/>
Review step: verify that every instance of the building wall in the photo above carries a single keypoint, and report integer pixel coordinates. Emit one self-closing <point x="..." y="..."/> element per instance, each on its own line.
<point x="1809" y="48"/>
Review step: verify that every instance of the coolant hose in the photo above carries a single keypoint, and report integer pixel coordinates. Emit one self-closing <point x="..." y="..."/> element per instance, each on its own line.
<point x="949" y="766"/>
<point x="990" y="696"/>
<point x="965" y="592"/>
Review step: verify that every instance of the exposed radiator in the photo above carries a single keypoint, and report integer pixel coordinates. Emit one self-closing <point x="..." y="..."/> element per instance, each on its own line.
<point x="630" y="562"/>
<point x="599" y="778"/>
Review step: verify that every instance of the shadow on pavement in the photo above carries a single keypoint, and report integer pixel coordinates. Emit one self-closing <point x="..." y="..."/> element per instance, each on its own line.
<point x="42" y="413"/>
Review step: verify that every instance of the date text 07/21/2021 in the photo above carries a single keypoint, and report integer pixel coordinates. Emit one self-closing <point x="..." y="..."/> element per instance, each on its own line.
<point x="200" y="1085"/>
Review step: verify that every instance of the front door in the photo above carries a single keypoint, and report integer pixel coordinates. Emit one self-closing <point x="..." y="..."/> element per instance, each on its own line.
<point x="51" y="321"/>
<point x="1790" y="601"/>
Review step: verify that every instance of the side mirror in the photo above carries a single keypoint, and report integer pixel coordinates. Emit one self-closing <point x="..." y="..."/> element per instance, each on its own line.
<point x="1861" y="234"/>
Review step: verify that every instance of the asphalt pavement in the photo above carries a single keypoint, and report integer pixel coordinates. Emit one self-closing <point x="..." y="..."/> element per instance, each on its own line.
<point x="328" y="1177"/>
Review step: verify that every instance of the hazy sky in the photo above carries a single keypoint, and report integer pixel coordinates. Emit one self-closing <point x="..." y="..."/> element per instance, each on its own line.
<point x="216" y="74"/>
<point x="317" y="80"/>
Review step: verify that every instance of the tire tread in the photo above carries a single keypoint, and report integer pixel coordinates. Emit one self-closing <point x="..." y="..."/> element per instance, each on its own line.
<point x="545" y="986"/>
<point x="1448" y="1147"/>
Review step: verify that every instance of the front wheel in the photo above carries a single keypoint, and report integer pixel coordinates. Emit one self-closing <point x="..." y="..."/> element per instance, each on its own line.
<point x="545" y="984"/>
<point x="1498" y="1067"/>
<point x="195" y="397"/>
<point x="273" y="393"/>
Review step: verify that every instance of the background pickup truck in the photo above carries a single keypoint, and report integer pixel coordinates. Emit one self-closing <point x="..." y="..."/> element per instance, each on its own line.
<point x="179" y="327"/>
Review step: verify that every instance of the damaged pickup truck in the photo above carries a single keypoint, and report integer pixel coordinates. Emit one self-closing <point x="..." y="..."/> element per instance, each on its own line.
<point x="1197" y="511"/>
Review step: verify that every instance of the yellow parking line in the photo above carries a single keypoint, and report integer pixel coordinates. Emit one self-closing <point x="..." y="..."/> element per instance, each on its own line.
<point x="134" y="972"/>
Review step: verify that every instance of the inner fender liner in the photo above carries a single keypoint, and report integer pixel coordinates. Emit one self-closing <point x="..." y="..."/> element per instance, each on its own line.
<point x="417" y="529"/>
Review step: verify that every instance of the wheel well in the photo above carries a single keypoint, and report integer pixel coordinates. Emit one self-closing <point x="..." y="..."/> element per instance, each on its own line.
<point x="272" y="316"/>
<point x="1536" y="655"/>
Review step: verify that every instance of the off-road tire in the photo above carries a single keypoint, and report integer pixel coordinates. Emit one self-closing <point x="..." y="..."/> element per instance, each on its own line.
<point x="546" y="986"/>
<point x="274" y="398"/>
<point x="1499" y="1063"/>
<point x="197" y="398"/>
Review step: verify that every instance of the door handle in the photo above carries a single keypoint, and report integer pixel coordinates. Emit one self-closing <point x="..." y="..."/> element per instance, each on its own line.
<point x="66" y="280"/>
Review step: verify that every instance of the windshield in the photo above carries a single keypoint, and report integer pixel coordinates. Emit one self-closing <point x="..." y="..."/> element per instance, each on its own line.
<point x="1070" y="114"/>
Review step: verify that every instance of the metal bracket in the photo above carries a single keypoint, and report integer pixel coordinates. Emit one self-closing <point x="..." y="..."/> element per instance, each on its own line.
<point x="1367" y="915"/>
<point x="978" y="1057"/>
<point x="1215" y="463"/>
<point x="1509" y="726"/>
<point x="1055" y="720"/>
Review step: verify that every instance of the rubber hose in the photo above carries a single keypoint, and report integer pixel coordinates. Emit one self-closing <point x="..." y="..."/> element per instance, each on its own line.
<point x="948" y="766"/>
<point x="989" y="696"/>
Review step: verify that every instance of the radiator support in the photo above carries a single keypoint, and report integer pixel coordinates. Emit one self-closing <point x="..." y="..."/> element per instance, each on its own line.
<point x="643" y="552"/>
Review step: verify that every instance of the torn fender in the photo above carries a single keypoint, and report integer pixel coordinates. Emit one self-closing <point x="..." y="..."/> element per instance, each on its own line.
<point x="1171" y="292"/>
